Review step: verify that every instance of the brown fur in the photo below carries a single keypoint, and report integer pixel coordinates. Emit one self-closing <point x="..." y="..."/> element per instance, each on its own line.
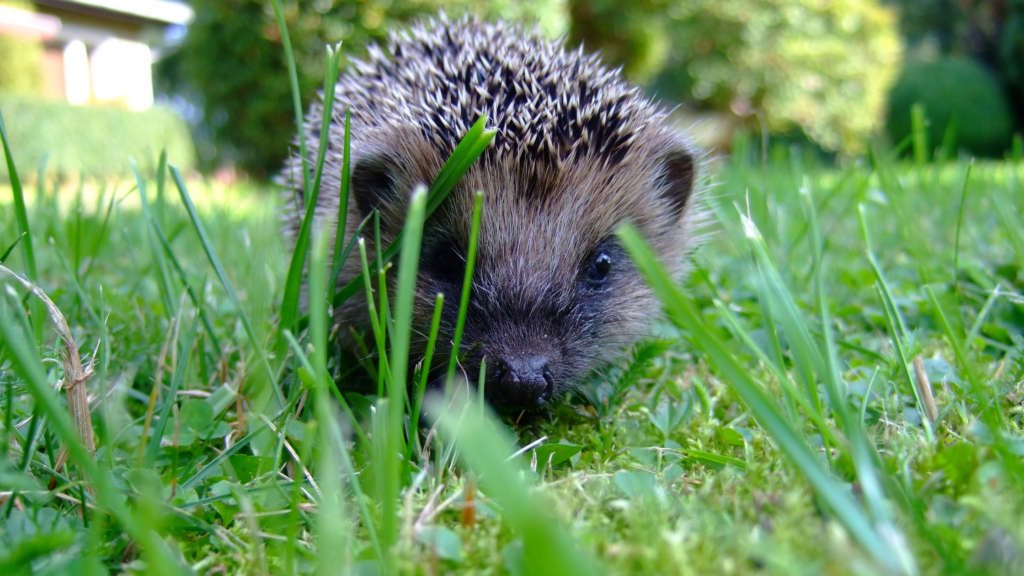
<point x="577" y="152"/>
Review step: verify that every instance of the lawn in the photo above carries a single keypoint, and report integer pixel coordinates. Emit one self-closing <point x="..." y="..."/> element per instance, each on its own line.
<point x="837" y="388"/>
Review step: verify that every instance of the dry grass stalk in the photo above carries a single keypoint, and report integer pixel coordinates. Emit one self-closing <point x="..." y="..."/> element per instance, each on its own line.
<point x="924" y="389"/>
<point x="75" y="375"/>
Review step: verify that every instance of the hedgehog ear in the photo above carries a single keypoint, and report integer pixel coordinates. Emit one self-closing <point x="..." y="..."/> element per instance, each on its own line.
<point x="373" y="183"/>
<point x="677" y="171"/>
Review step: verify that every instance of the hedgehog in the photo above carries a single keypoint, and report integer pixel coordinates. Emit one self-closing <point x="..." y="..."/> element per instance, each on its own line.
<point x="577" y="151"/>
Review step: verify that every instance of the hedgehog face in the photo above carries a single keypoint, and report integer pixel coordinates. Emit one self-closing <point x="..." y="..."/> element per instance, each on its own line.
<point x="554" y="294"/>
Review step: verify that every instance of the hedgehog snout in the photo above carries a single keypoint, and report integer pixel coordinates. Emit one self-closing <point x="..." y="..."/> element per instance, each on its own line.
<point x="522" y="366"/>
<point x="523" y="381"/>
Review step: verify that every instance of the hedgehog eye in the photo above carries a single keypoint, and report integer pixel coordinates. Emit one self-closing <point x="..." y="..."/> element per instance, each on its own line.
<point x="599" y="268"/>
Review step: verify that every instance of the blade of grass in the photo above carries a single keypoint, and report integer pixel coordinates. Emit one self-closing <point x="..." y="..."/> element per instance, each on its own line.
<point x="341" y="223"/>
<point x="225" y="283"/>
<point x="986" y="308"/>
<point x="188" y="286"/>
<point x="333" y="529"/>
<point x="21" y="215"/>
<point x="9" y="249"/>
<point x="467" y="282"/>
<point x="164" y="283"/>
<point x="293" y="281"/>
<point x="484" y="446"/>
<point x="171" y="396"/>
<point x="75" y="225"/>
<point x="897" y="327"/>
<point x="38" y="421"/>
<point x="375" y="327"/>
<point x="428" y="355"/>
<point x="783" y="314"/>
<point x="959" y="227"/>
<point x="293" y="80"/>
<point x="101" y="237"/>
<point x="383" y="308"/>
<point x="959" y="352"/>
<point x="41" y="181"/>
<point x="777" y="368"/>
<point x="305" y="364"/>
<point x="405" y="294"/>
<point x="86" y="303"/>
<point x="161" y="185"/>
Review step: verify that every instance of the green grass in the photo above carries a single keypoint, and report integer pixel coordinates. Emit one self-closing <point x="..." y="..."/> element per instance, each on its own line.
<point x="774" y="422"/>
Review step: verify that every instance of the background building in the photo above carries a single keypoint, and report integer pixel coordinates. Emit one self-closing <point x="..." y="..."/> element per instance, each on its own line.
<point x="97" y="51"/>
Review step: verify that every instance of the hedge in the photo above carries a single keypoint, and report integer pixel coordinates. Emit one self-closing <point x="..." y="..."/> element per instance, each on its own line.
<point x="90" y="140"/>
<point x="21" y="59"/>
<point x="958" y="95"/>
<point x="824" y="68"/>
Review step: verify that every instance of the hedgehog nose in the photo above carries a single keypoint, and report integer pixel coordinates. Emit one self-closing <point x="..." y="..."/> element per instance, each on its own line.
<point x="524" y="381"/>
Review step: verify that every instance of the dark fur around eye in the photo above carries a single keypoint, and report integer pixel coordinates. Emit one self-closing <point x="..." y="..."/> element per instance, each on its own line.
<point x="444" y="262"/>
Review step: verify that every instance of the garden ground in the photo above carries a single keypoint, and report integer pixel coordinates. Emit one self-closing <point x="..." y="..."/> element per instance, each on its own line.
<point x="838" y="388"/>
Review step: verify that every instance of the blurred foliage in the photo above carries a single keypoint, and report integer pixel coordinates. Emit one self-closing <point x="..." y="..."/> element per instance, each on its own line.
<point x="91" y="140"/>
<point x="988" y="31"/>
<point x="1011" y="58"/>
<point x="960" y="97"/>
<point x="21" y="60"/>
<point x="814" y="69"/>
<point x="929" y="22"/>
<point x="232" y="63"/>
<point x="635" y="36"/>
<point x="823" y="67"/>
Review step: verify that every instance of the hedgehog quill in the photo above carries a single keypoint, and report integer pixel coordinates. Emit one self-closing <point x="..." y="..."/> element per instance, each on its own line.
<point x="577" y="151"/>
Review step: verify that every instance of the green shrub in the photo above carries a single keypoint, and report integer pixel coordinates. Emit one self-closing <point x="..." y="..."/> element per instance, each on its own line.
<point x="91" y="140"/>
<point x="1011" y="58"/>
<point x="822" y="67"/>
<point x="21" y="60"/>
<point x="958" y="95"/>
<point x="987" y="31"/>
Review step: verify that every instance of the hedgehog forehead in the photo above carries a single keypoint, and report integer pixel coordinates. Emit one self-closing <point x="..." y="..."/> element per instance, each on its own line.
<point x="547" y="234"/>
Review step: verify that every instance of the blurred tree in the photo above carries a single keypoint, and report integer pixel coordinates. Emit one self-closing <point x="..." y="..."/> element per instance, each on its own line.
<point x="824" y="67"/>
<point x="634" y="35"/>
<point x="232" y="66"/>
<point x="21" y="60"/>
<point x="929" y="22"/>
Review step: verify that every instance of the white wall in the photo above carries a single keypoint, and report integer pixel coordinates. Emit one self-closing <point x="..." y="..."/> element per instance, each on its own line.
<point x="77" y="82"/>
<point x="122" y="71"/>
